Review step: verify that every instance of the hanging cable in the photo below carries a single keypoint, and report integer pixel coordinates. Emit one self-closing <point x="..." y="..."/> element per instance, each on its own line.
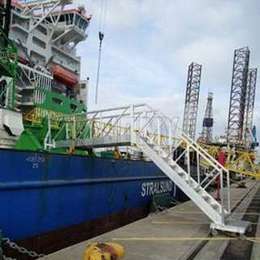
<point x="102" y="20"/>
<point x="101" y="37"/>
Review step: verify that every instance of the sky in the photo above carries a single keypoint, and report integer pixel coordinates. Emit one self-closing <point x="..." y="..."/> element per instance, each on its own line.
<point x="149" y="44"/>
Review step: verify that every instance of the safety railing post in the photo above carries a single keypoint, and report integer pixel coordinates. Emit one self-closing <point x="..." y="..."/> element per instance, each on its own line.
<point x="132" y="124"/>
<point x="228" y="192"/>
<point x="188" y="159"/>
<point x="145" y="124"/>
<point x="198" y="166"/>
<point x="66" y="131"/>
<point x="74" y="128"/>
<point x="170" y="142"/>
<point x="158" y="131"/>
<point x="222" y="197"/>
<point x="170" y="133"/>
<point x="92" y="125"/>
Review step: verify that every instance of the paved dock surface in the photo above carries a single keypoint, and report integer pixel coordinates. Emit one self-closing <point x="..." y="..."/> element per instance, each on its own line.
<point x="179" y="233"/>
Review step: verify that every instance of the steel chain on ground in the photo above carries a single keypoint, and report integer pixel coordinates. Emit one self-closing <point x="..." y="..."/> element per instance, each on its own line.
<point x="8" y="258"/>
<point x="20" y="249"/>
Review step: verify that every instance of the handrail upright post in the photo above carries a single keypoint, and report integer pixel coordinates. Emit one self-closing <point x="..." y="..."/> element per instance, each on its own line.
<point x="74" y="128"/>
<point x="145" y="125"/>
<point x="170" y="137"/>
<point x="66" y="131"/>
<point x="188" y="160"/>
<point x="228" y="191"/>
<point x="158" y="131"/>
<point x="132" y="124"/>
<point x="222" y="197"/>
<point x="198" y="167"/>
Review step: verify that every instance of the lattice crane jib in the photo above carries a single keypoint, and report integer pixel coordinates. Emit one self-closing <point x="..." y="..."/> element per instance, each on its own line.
<point x="192" y="99"/>
<point x="208" y="120"/>
<point x="238" y="96"/>
<point x="249" y="107"/>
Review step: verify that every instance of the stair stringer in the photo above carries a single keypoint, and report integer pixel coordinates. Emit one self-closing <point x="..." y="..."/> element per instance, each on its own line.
<point x="172" y="173"/>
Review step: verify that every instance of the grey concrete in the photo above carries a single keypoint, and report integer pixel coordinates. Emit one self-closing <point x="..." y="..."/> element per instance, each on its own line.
<point x="214" y="249"/>
<point x="172" y="234"/>
<point x="256" y="247"/>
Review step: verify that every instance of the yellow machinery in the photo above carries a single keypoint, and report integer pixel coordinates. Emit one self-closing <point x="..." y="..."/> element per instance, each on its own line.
<point x="239" y="160"/>
<point x="104" y="251"/>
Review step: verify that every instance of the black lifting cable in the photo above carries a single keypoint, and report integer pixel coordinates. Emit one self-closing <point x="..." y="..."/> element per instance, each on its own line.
<point x="102" y="21"/>
<point x="101" y="37"/>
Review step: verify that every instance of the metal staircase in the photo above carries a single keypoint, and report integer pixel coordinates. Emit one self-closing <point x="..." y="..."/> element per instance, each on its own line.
<point x="194" y="190"/>
<point x="178" y="156"/>
<point x="217" y="211"/>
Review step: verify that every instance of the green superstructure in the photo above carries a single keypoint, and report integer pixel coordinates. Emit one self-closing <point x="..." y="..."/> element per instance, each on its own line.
<point x="56" y="118"/>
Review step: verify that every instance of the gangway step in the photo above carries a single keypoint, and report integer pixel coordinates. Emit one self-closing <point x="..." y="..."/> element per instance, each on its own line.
<point x="211" y="207"/>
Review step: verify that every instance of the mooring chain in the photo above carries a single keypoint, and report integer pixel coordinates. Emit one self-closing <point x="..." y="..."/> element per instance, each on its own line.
<point x="8" y="258"/>
<point x="20" y="249"/>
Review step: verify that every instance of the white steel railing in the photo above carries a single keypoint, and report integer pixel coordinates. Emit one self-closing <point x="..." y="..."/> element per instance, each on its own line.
<point x="134" y="118"/>
<point x="160" y="138"/>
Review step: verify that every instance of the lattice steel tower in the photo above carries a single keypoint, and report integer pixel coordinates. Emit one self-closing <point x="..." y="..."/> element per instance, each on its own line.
<point x="192" y="100"/>
<point x="249" y="107"/>
<point x="207" y="126"/>
<point x="237" y="103"/>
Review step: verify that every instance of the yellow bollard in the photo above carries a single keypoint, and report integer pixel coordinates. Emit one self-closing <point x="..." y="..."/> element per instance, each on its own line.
<point x="104" y="251"/>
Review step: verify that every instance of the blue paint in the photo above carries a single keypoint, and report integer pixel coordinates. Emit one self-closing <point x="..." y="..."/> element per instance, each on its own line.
<point x="42" y="192"/>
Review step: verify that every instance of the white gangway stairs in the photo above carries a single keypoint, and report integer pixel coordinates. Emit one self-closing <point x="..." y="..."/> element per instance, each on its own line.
<point x="178" y="156"/>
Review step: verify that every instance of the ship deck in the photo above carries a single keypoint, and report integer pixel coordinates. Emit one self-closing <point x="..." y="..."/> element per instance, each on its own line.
<point x="182" y="232"/>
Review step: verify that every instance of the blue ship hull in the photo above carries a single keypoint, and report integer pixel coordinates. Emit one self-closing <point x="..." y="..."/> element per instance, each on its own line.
<point x="41" y="193"/>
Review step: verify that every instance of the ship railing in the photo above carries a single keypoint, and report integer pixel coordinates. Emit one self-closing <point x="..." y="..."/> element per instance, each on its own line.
<point x="125" y="120"/>
<point x="118" y="124"/>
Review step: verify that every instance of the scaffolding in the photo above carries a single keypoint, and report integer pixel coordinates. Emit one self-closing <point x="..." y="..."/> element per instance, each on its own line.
<point x="207" y="129"/>
<point x="192" y="100"/>
<point x="238" y="96"/>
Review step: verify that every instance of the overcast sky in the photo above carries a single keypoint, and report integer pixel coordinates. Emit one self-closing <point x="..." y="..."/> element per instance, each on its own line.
<point x="149" y="44"/>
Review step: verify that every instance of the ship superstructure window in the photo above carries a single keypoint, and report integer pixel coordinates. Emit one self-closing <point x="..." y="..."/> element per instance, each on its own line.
<point x="37" y="58"/>
<point x="18" y="36"/>
<point x="20" y="21"/>
<point x="80" y="22"/>
<point x="42" y="29"/>
<point x="69" y="19"/>
<point x="38" y="42"/>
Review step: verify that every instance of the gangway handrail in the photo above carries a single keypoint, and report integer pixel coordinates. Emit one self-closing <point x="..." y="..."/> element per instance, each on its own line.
<point x="205" y="152"/>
